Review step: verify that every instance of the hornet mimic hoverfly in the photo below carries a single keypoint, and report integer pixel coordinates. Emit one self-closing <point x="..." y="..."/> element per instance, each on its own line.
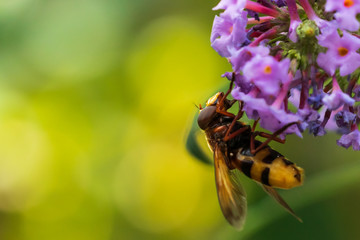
<point x="236" y="150"/>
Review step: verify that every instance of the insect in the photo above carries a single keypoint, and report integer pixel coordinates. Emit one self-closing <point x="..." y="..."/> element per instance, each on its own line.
<point x="236" y="150"/>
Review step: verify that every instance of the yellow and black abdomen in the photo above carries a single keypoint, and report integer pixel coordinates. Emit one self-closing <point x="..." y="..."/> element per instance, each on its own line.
<point x="268" y="167"/>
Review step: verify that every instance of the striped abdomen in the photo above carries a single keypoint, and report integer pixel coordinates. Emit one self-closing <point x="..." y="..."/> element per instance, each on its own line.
<point x="267" y="167"/>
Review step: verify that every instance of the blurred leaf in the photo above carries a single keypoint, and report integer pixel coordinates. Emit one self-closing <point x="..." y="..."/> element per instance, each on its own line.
<point x="193" y="146"/>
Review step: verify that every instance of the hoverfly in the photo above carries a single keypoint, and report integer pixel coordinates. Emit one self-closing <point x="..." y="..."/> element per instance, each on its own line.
<point x="235" y="150"/>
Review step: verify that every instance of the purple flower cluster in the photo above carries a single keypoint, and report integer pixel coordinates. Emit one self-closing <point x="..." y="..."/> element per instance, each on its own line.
<point x="294" y="63"/>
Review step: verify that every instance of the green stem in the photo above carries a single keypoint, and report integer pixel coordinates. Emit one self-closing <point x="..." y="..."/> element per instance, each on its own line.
<point x="274" y="40"/>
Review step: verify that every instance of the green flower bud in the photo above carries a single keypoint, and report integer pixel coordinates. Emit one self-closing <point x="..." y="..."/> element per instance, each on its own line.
<point x="307" y="30"/>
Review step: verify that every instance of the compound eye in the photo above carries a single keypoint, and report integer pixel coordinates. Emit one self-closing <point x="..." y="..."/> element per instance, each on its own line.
<point x="213" y="100"/>
<point x="206" y="116"/>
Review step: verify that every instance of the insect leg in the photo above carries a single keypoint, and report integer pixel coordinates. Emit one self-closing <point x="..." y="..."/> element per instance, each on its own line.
<point x="254" y="125"/>
<point x="231" y="86"/>
<point x="270" y="138"/>
<point x="252" y="144"/>
<point x="236" y="133"/>
<point x="221" y="102"/>
<point x="220" y="105"/>
<point x="232" y="103"/>
<point x="229" y="114"/>
<point x="267" y="135"/>
<point x="229" y="135"/>
<point x="226" y="113"/>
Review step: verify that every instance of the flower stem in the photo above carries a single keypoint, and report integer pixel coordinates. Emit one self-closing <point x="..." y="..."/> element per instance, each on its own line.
<point x="282" y="95"/>
<point x="294" y="16"/>
<point x="351" y="86"/>
<point x="254" y="92"/>
<point x="308" y="9"/>
<point x="356" y="35"/>
<point x="335" y="84"/>
<point x="266" y="35"/>
<point x="326" y="117"/>
<point x="262" y="19"/>
<point x="257" y="7"/>
<point x="304" y="92"/>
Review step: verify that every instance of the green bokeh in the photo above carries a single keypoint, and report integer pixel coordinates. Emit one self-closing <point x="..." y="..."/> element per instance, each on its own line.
<point x="97" y="98"/>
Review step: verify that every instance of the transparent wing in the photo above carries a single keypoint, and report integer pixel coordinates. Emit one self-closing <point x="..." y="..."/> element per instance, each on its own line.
<point x="232" y="197"/>
<point x="275" y="195"/>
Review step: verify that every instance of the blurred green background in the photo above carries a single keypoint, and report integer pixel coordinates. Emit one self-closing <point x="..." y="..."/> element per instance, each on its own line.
<point x="97" y="97"/>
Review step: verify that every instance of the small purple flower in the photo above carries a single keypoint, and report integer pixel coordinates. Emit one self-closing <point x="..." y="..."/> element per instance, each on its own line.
<point x="337" y="98"/>
<point x="233" y="5"/>
<point x="272" y="117"/>
<point x="316" y="128"/>
<point x="350" y="139"/>
<point x="310" y="119"/>
<point x="294" y="20"/>
<point x="228" y="33"/>
<point x="357" y="112"/>
<point x="309" y="115"/>
<point x="346" y="11"/>
<point x="356" y="91"/>
<point x="233" y="8"/>
<point x="277" y="91"/>
<point x="239" y="82"/>
<point x="279" y="3"/>
<point x="292" y="30"/>
<point x="228" y="75"/>
<point x="344" y="119"/>
<point x="341" y="53"/>
<point x="253" y="14"/>
<point x="240" y="57"/>
<point x="331" y="124"/>
<point x="316" y="99"/>
<point x="294" y="98"/>
<point x="267" y="73"/>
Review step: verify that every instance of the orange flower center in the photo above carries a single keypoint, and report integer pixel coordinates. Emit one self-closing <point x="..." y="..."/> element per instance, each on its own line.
<point x="343" y="51"/>
<point x="348" y="3"/>
<point x="267" y="69"/>
<point x="231" y="29"/>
